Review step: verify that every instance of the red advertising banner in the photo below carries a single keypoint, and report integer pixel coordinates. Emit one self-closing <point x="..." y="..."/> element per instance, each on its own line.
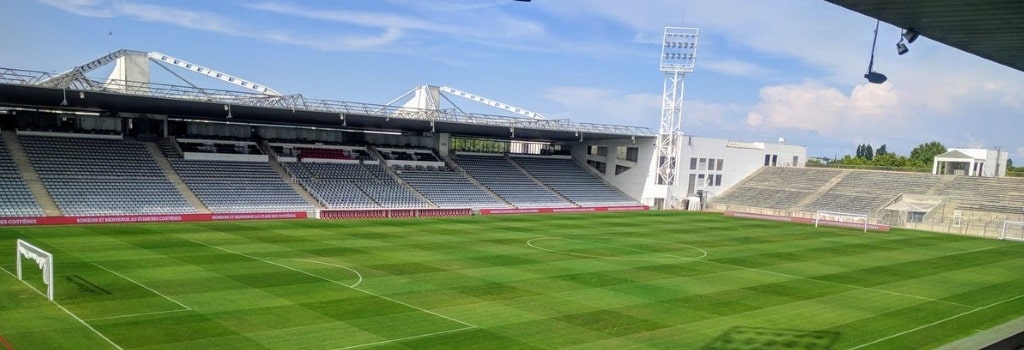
<point x="808" y="221"/>
<point x="392" y="213"/>
<point x="120" y="219"/>
<point x="560" y="210"/>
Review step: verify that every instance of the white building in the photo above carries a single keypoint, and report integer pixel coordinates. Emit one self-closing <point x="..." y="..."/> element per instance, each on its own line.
<point x="714" y="165"/>
<point x="971" y="162"/>
<point x="707" y="165"/>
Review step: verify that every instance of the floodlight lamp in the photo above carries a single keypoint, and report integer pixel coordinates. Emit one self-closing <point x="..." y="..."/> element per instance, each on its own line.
<point x="901" y="48"/>
<point x="910" y="34"/>
<point x="876" y="77"/>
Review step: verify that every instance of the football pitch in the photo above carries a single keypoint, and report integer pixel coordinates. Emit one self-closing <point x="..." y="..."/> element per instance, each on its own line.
<point x="666" y="280"/>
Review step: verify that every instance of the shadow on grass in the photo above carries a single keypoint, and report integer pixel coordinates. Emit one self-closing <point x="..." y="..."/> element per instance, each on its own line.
<point x="766" y="338"/>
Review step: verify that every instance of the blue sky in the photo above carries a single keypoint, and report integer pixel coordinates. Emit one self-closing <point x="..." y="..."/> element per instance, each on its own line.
<point x="765" y="69"/>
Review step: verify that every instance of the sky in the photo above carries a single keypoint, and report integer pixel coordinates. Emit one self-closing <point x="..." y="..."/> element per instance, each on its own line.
<point x="765" y="69"/>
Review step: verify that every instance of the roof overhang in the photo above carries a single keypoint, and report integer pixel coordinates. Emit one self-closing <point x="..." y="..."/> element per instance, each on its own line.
<point x="991" y="29"/>
<point x="33" y="97"/>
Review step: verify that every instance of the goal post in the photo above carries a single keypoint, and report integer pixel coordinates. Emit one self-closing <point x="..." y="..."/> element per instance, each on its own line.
<point x="42" y="258"/>
<point x="1012" y="230"/>
<point x="835" y="218"/>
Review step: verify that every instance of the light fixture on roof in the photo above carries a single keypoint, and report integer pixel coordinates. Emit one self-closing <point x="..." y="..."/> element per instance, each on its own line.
<point x="901" y="48"/>
<point x="910" y="35"/>
<point x="873" y="76"/>
<point x="228" y="108"/>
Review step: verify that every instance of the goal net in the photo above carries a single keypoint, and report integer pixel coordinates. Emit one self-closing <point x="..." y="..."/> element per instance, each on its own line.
<point x="43" y="259"/>
<point x="834" y="218"/>
<point x="1013" y="230"/>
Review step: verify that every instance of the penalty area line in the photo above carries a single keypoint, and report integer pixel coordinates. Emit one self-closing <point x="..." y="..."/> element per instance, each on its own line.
<point x="79" y="319"/>
<point x="359" y="275"/>
<point x="185" y="308"/>
<point x="937" y="322"/>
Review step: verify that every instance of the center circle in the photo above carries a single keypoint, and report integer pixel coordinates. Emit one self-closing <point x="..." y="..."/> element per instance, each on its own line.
<point x="619" y="248"/>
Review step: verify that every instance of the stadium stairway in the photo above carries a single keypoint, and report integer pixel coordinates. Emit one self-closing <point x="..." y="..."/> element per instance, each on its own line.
<point x="288" y="178"/>
<point x="173" y="177"/>
<point x="391" y="172"/>
<point x="169" y="147"/>
<point x="823" y="189"/>
<point x="738" y="185"/>
<point x="541" y="183"/>
<point x="29" y="175"/>
<point x="943" y="183"/>
<point x="454" y="165"/>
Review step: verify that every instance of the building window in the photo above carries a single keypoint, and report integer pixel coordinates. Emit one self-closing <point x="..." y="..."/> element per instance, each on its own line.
<point x="627" y="153"/>
<point x="767" y="159"/>
<point x="703" y="164"/>
<point x="796" y="160"/>
<point x="693" y="163"/>
<point x="775" y="160"/>
<point x="719" y="166"/>
<point x="915" y="216"/>
<point x="718" y="180"/>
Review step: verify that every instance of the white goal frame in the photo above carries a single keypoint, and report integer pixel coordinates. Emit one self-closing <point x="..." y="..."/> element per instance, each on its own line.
<point x="1009" y="224"/>
<point x="842" y="218"/>
<point x="41" y="258"/>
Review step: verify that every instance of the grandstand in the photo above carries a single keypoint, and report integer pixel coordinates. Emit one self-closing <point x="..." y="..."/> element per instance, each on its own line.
<point x="18" y="199"/>
<point x="573" y="182"/>
<point x="954" y="203"/>
<point x="507" y="181"/>
<point x="234" y="186"/>
<point x="102" y="148"/>
<point x="102" y="176"/>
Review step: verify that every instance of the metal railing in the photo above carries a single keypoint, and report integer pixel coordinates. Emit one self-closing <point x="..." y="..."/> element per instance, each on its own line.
<point x="12" y="76"/>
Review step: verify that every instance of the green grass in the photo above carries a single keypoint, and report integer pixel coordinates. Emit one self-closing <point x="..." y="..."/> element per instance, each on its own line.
<point x="664" y="280"/>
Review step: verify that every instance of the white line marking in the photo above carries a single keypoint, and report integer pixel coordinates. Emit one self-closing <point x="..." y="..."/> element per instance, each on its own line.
<point x="970" y="251"/>
<point x="406" y="338"/>
<point x="134" y="315"/>
<point x="837" y="283"/>
<point x="336" y="265"/>
<point x="88" y="326"/>
<point x="118" y="347"/>
<point x="672" y="257"/>
<point x="143" y="286"/>
<point x="332" y="281"/>
<point x="937" y="322"/>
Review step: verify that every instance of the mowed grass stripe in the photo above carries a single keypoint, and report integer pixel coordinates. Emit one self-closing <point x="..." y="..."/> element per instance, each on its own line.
<point x="480" y="270"/>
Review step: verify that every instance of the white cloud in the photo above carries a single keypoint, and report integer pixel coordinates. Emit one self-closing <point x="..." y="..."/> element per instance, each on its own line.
<point x="736" y="67"/>
<point x="821" y="50"/>
<point x="599" y="105"/>
<point x="358" y="18"/>
<point x="216" y="23"/>
<point x="813" y="106"/>
<point x="89" y="8"/>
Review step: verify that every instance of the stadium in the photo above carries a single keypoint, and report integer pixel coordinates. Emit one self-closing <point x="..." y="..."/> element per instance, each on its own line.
<point x="152" y="215"/>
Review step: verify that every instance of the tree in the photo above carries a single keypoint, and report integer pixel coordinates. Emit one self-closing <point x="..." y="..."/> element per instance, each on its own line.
<point x="891" y="160"/>
<point x="869" y="153"/>
<point x="881" y="151"/>
<point x="925" y="153"/>
<point x="1009" y="164"/>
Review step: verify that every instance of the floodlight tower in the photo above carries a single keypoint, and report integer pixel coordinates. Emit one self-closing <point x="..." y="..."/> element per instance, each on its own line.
<point x="678" y="55"/>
